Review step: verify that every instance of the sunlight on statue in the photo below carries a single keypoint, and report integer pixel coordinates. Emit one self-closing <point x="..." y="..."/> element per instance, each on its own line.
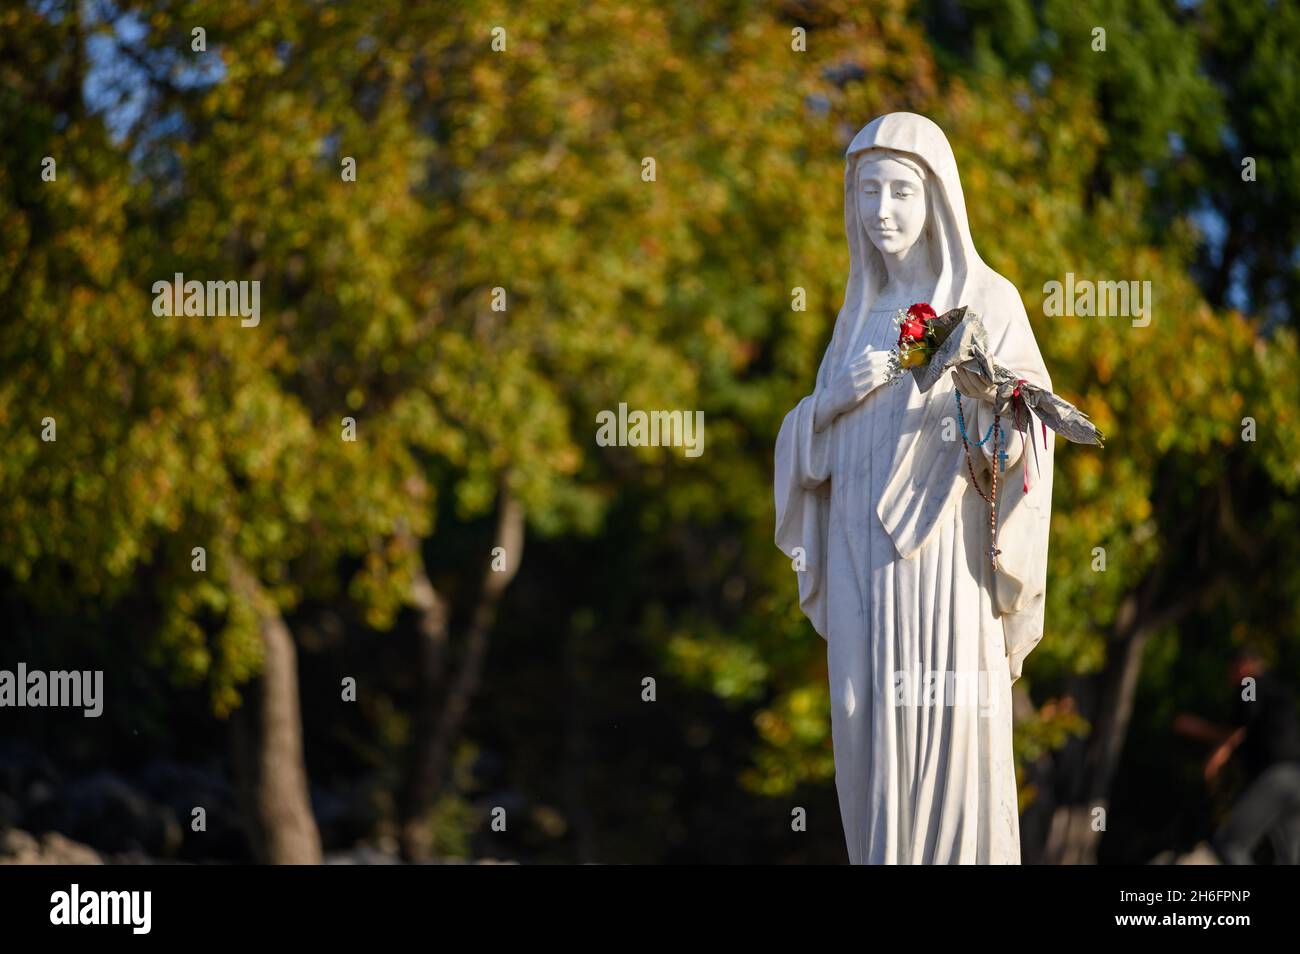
<point x="896" y="529"/>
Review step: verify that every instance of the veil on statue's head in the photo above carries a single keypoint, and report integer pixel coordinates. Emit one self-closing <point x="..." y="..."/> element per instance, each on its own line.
<point x="922" y="143"/>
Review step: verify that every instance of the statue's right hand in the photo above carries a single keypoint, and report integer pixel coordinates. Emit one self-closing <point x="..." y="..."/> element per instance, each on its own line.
<point x="850" y="386"/>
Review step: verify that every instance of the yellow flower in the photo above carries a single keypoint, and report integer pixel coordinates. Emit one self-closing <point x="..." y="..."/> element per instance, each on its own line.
<point x="913" y="358"/>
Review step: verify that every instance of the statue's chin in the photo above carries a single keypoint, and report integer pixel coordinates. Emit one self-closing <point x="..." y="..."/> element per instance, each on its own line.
<point x="892" y="243"/>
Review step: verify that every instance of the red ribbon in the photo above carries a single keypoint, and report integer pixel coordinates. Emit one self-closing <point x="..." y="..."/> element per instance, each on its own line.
<point x="1024" y="434"/>
<point x="1024" y="463"/>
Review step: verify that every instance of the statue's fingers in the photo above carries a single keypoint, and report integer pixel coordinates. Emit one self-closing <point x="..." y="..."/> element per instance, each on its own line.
<point x="970" y="384"/>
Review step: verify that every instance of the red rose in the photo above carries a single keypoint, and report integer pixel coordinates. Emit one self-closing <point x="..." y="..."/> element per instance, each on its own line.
<point x="911" y="330"/>
<point x="921" y="312"/>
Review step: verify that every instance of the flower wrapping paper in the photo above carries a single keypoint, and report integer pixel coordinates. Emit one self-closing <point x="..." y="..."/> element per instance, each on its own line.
<point x="964" y="343"/>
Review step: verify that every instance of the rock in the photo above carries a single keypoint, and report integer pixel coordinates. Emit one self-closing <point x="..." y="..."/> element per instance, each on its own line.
<point x="362" y="855"/>
<point x="1202" y="854"/>
<point x="104" y="809"/>
<point x="17" y="847"/>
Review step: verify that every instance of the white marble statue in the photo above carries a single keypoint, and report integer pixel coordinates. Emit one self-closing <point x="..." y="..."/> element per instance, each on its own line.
<point x="874" y="498"/>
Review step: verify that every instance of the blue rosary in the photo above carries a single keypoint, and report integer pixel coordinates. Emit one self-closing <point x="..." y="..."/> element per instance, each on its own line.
<point x="961" y="421"/>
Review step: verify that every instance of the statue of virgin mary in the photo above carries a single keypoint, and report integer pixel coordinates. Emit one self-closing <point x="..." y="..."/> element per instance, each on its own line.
<point x="882" y="505"/>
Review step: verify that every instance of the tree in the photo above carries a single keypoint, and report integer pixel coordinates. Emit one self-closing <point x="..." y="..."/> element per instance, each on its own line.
<point x="463" y="260"/>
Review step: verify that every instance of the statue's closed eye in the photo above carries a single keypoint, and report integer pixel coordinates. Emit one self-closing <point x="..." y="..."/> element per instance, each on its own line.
<point x="901" y="194"/>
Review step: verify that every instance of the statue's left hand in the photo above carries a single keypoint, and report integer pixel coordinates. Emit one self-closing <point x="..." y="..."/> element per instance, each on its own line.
<point x="972" y="385"/>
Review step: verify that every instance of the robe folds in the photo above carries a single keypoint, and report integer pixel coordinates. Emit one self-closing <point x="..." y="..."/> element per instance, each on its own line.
<point x="924" y="637"/>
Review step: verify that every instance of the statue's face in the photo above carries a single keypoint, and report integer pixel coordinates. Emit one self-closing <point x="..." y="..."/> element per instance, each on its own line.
<point x="891" y="204"/>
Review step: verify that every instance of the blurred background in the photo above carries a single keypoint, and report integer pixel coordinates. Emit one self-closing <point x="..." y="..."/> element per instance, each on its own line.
<point x="214" y="139"/>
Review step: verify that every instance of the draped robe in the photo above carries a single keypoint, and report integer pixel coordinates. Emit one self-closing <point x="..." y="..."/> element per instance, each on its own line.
<point x="894" y="541"/>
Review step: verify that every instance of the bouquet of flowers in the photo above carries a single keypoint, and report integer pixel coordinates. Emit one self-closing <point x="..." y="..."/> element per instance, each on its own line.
<point x="918" y="336"/>
<point x="930" y="345"/>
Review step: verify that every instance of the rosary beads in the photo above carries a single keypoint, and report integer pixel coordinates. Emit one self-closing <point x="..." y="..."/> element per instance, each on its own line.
<point x="1000" y="454"/>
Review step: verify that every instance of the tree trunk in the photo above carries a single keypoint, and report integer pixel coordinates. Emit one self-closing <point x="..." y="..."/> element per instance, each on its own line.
<point x="437" y="729"/>
<point x="1090" y="766"/>
<point x="418" y="791"/>
<point x="269" y="762"/>
<point x="1072" y="837"/>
